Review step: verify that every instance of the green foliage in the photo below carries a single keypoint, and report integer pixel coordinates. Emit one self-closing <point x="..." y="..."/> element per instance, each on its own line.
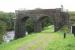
<point x="29" y="25"/>
<point x="72" y="13"/>
<point x="47" y="21"/>
<point x="6" y="23"/>
<point x="2" y="30"/>
<point x="8" y="19"/>
<point x="65" y="29"/>
<point x="72" y="17"/>
<point x="48" y="29"/>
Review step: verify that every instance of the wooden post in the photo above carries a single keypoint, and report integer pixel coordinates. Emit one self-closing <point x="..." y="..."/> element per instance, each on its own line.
<point x="64" y="35"/>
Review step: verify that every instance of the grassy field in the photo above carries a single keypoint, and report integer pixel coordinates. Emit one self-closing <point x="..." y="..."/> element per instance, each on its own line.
<point x="44" y="40"/>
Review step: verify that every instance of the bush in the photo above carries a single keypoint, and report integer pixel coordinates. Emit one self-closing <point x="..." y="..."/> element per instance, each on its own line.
<point x="2" y="30"/>
<point x="29" y="25"/>
<point x="47" y="21"/>
<point x="65" y="29"/>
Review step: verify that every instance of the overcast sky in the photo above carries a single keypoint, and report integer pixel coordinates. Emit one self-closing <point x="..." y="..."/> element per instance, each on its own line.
<point x="12" y="5"/>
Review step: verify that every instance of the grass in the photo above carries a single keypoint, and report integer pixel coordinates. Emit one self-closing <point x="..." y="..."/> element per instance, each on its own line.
<point x="48" y="29"/>
<point x="17" y="43"/>
<point x="45" y="40"/>
<point x="62" y="44"/>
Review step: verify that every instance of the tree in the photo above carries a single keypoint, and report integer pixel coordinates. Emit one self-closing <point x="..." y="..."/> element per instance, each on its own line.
<point x="6" y="23"/>
<point x="2" y="30"/>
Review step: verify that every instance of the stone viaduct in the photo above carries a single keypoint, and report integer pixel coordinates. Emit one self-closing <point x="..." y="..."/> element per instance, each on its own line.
<point x="59" y="18"/>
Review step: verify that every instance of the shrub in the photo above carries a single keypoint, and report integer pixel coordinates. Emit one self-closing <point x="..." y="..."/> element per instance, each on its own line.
<point x="2" y="30"/>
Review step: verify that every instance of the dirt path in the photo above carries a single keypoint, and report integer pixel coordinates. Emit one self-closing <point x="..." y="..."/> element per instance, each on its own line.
<point x="39" y="43"/>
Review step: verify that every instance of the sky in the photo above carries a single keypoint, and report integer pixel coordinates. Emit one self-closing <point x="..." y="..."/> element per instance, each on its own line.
<point x="12" y="5"/>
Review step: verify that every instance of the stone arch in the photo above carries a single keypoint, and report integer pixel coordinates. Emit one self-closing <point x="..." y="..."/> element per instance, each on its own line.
<point x="40" y="22"/>
<point x="37" y="16"/>
<point x="46" y="21"/>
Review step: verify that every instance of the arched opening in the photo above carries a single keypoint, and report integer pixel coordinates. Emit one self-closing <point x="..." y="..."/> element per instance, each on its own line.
<point x="29" y="25"/>
<point x="44" y="21"/>
<point x="20" y="28"/>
